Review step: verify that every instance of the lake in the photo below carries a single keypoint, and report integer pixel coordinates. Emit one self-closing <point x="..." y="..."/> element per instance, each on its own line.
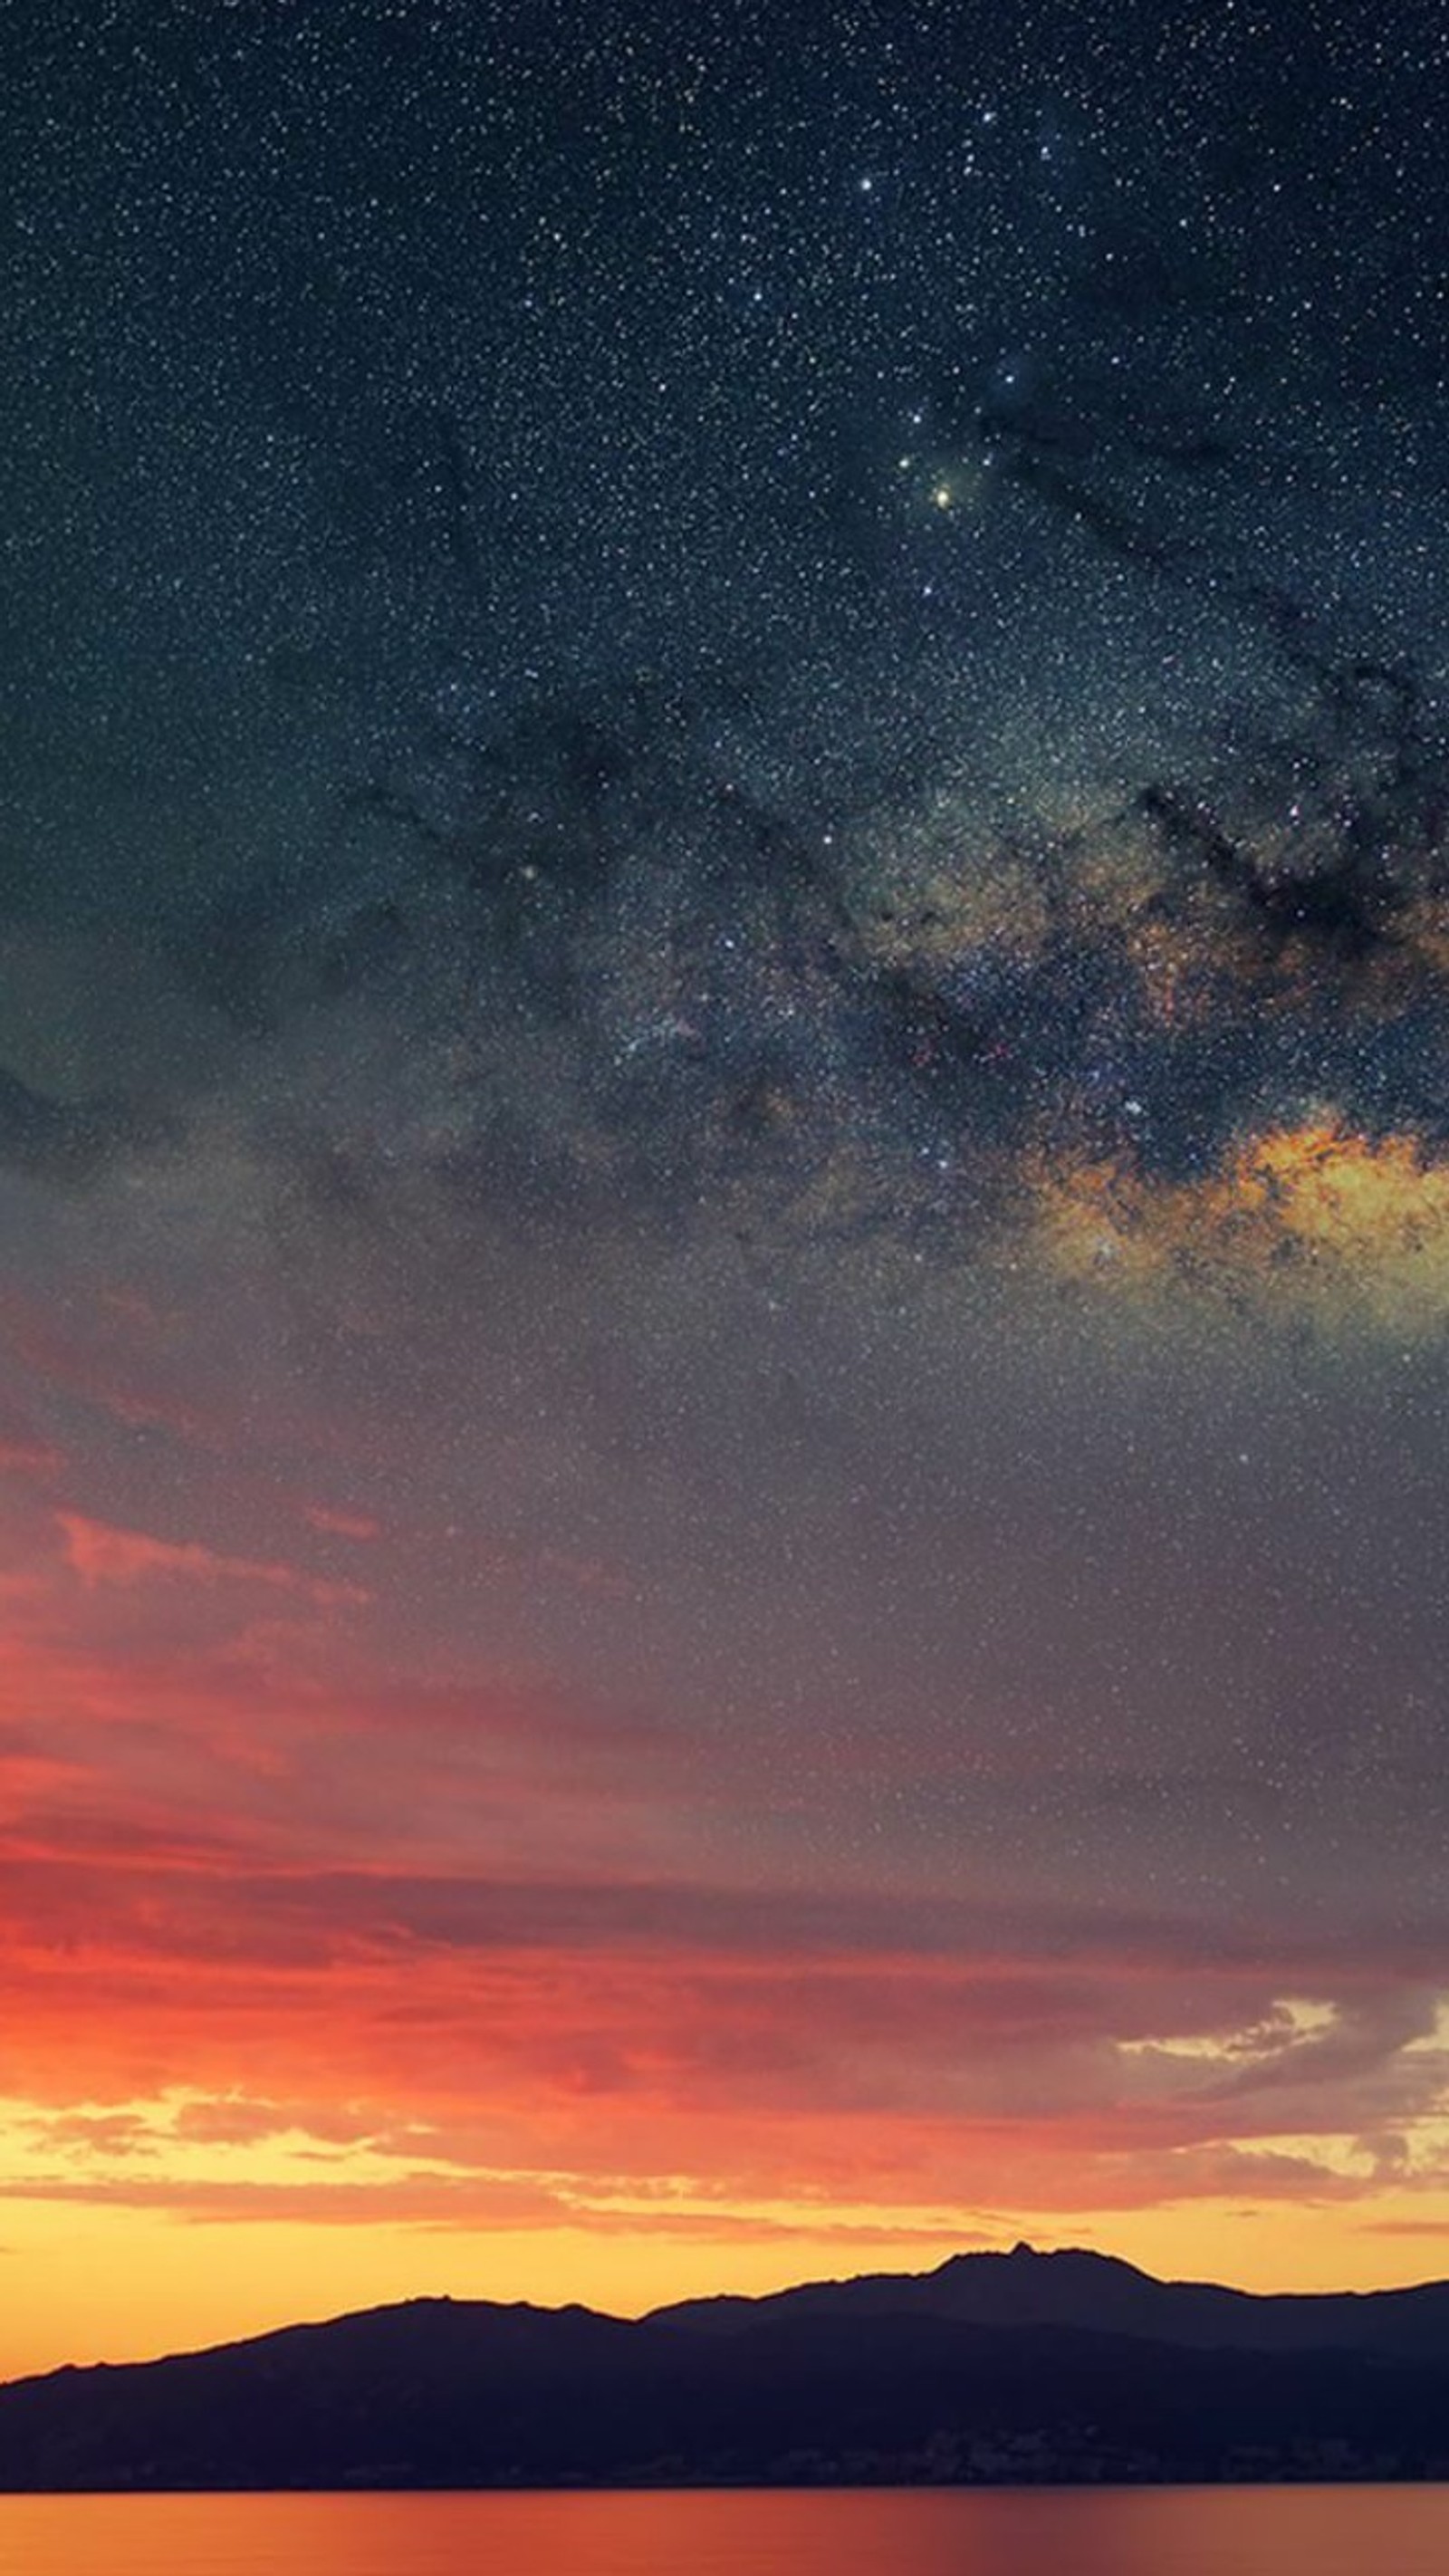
<point x="1179" y="2531"/>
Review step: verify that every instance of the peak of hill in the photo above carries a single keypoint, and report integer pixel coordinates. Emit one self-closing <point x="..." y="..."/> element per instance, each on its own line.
<point x="1096" y="2293"/>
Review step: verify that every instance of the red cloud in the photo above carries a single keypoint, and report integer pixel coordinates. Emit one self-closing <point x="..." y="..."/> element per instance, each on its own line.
<point x="254" y="1865"/>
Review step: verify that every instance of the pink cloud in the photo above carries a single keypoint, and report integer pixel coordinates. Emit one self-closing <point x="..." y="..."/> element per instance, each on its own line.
<point x="335" y="1524"/>
<point x="100" y="1553"/>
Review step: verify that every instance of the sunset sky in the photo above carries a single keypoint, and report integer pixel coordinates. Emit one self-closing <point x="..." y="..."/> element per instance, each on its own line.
<point x="724" y="1149"/>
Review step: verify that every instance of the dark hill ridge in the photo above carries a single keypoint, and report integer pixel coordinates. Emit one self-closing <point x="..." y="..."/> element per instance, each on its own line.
<point x="973" y="2372"/>
<point x="1101" y="2294"/>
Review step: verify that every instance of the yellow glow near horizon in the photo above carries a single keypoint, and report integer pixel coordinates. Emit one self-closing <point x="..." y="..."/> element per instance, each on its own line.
<point x="90" y="2284"/>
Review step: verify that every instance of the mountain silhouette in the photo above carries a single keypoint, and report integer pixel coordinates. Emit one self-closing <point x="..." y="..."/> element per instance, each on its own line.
<point x="1101" y="2294"/>
<point x="994" y="2368"/>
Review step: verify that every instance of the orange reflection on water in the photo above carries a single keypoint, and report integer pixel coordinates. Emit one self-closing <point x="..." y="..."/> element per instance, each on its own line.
<point x="1264" y="2531"/>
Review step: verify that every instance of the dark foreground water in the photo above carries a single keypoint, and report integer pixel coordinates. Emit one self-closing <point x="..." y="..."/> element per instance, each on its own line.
<point x="1193" y="2531"/>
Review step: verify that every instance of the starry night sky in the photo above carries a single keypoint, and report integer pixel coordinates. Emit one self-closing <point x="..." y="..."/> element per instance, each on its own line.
<point x="724" y="1138"/>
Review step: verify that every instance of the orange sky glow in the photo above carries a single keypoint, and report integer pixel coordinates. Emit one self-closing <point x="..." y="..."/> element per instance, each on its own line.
<point x="295" y="2021"/>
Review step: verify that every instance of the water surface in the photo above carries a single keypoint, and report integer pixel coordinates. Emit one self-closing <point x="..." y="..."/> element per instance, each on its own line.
<point x="1204" y="2531"/>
